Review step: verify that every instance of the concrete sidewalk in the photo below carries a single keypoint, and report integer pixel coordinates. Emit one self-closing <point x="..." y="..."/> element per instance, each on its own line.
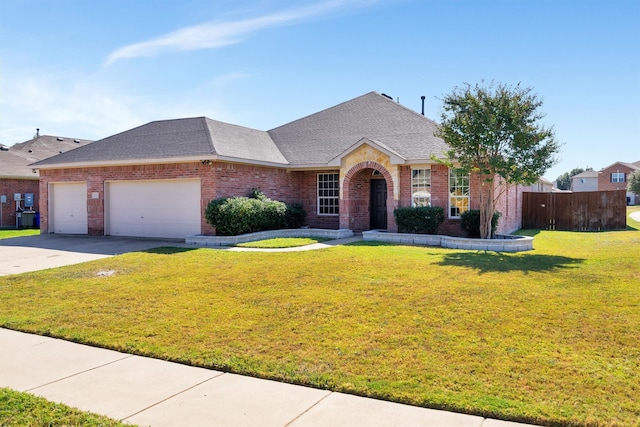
<point x="150" y="392"/>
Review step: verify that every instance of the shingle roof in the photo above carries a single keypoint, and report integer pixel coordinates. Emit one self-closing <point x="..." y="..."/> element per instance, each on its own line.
<point x="586" y="174"/>
<point x="15" y="160"/>
<point x="322" y="136"/>
<point x="165" y="139"/>
<point x="243" y="143"/>
<point x="632" y="166"/>
<point x="312" y="140"/>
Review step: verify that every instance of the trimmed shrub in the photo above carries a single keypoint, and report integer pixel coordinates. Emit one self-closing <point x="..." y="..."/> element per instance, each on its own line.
<point x="421" y="220"/>
<point x="240" y="215"/>
<point x="294" y="216"/>
<point x="470" y="222"/>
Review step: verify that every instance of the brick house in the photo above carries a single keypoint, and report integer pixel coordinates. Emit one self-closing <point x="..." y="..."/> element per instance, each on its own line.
<point x="615" y="177"/>
<point x="349" y="165"/>
<point x="17" y="177"/>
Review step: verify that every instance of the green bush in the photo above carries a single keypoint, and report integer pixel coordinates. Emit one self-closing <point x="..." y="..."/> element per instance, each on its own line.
<point x="422" y="220"/>
<point x="294" y="216"/>
<point x="240" y="215"/>
<point x="470" y="222"/>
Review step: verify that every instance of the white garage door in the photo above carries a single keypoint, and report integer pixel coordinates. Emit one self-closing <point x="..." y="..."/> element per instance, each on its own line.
<point x="157" y="208"/>
<point x="68" y="208"/>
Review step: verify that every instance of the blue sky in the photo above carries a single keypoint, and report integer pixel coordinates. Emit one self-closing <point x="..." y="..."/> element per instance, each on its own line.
<point x="90" y="69"/>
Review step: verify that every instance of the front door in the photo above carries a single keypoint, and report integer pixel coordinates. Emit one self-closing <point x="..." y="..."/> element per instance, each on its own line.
<point x="378" y="204"/>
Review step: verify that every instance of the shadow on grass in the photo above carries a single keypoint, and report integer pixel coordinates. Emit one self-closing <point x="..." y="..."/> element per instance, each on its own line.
<point x="169" y="250"/>
<point x="486" y="262"/>
<point x="371" y="243"/>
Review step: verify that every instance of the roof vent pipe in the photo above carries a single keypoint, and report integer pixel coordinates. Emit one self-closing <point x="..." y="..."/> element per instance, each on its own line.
<point x="37" y="132"/>
<point x="422" y="97"/>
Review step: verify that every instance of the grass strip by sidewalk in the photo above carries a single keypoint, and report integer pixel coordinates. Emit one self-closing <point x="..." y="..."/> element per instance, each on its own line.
<point x="282" y="242"/>
<point x="547" y="336"/>
<point x="24" y="409"/>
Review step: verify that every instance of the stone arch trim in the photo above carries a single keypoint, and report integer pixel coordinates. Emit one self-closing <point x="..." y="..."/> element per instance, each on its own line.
<point x="345" y="199"/>
<point x="369" y="165"/>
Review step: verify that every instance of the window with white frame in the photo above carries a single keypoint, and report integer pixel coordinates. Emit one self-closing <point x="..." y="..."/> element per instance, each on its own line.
<point x="458" y="192"/>
<point x="328" y="193"/>
<point x="617" y="177"/>
<point x="420" y="187"/>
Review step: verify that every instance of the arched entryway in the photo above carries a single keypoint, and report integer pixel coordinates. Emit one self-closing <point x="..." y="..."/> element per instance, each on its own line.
<point x="367" y="198"/>
<point x="378" y="202"/>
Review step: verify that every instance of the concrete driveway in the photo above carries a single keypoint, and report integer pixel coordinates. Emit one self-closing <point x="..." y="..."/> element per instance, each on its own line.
<point x="32" y="253"/>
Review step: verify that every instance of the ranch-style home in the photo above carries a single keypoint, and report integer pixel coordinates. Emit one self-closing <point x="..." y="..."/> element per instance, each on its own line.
<point x="350" y="166"/>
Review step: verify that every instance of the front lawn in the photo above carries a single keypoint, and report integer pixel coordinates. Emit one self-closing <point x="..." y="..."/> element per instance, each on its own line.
<point x="282" y="242"/>
<point x="548" y="336"/>
<point x="8" y="233"/>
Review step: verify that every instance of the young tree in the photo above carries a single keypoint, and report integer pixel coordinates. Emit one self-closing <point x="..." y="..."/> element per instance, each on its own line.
<point x="495" y="131"/>
<point x="633" y="184"/>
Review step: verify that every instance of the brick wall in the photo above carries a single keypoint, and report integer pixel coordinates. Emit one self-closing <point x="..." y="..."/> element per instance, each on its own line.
<point x="604" y="177"/>
<point x="308" y="196"/>
<point x="9" y="187"/>
<point x="96" y="177"/>
<point x="510" y="206"/>
<point x="217" y="180"/>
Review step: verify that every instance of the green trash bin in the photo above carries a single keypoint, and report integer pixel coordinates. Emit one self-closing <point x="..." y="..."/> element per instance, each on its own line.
<point x="28" y="219"/>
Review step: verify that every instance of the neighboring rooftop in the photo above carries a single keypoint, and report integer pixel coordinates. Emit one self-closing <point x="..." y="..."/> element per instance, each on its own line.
<point x="15" y="160"/>
<point x="632" y="166"/>
<point x="586" y="174"/>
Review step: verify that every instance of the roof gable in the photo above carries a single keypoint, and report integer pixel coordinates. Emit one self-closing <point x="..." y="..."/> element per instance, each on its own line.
<point x="323" y="136"/>
<point x="393" y="156"/>
<point x="631" y="166"/>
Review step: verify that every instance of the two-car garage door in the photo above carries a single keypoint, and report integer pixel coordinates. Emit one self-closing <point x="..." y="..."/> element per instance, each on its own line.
<point x="152" y="208"/>
<point x="155" y="208"/>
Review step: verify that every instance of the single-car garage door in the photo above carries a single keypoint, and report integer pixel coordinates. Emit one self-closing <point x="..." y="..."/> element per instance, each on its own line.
<point x="155" y="208"/>
<point x="68" y="207"/>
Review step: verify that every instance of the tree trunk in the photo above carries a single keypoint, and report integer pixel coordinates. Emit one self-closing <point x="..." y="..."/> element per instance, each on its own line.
<point x="486" y="207"/>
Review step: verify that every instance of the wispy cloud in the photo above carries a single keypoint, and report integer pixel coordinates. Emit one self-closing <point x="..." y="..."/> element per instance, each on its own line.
<point x="90" y="108"/>
<point x="220" y="34"/>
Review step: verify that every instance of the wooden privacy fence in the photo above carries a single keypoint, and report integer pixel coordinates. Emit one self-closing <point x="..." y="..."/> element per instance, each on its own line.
<point x="583" y="211"/>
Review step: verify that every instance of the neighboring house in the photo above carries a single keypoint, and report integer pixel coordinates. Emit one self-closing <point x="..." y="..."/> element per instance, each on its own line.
<point x="614" y="177"/>
<point x="350" y="166"/>
<point x="543" y="185"/>
<point x="17" y="177"/>
<point x="585" y="181"/>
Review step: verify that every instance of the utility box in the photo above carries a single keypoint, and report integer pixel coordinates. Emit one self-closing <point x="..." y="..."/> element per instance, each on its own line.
<point x="3" y="199"/>
<point x="28" y="200"/>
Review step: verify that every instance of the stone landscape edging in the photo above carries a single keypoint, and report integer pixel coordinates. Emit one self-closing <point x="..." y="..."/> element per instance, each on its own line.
<point x="502" y="242"/>
<point x="202" y="240"/>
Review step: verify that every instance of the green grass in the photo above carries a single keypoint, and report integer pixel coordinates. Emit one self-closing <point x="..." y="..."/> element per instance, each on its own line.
<point x="23" y="409"/>
<point x="282" y="242"/>
<point x="548" y="336"/>
<point x="6" y="234"/>
<point x="631" y="223"/>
